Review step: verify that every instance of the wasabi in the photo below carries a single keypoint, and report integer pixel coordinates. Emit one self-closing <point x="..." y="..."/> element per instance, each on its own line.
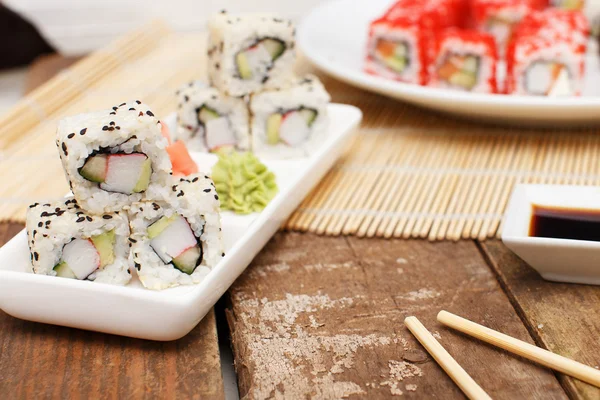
<point x="243" y="183"/>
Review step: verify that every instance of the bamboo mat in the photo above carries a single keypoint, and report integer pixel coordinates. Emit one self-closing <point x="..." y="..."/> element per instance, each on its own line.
<point x="408" y="173"/>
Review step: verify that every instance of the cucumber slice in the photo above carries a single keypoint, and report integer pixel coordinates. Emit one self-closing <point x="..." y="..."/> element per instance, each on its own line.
<point x="94" y="169"/>
<point x="273" y="125"/>
<point x="144" y="180"/>
<point x="243" y="66"/>
<point x="206" y="114"/>
<point x="187" y="261"/>
<point x="104" y="244"/>
<point x="275" y="47"/>
<point x="62" y="269"/>
<point x="396" y="63"/>
<point x="309" y="115"/>
<point x="156" y="228"/>
<point x="464" y="80"/>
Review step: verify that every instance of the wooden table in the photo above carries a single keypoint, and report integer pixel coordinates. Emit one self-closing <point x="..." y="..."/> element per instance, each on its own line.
<point x="321" y="317"/>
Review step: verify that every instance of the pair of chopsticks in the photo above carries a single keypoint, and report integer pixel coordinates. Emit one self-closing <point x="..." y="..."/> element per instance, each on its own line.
<point x="469" y="387"/>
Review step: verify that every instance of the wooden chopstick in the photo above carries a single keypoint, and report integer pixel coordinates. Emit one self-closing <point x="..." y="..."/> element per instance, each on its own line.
<point x="463" y="380"/>
<point x="523" y="349"/>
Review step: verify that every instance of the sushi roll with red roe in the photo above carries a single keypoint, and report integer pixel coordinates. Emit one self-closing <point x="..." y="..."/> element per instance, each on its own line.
<point x="546" y="56"/>
<point x="500" y="17"/>
<point x="464" y="60"/>
<point x="400" y="41"/>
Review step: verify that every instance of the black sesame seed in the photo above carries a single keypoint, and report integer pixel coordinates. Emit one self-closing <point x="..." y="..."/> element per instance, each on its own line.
<point x="132" y="240"/>
<point x="105" y="128"/>
<point x="265" y="79"/>
<point x="59" y="213"/>
<point x="216" y="197"/>
<point x="186" y="98"/>
<point x="64" y="148"/>
<point x="132" y="109"/>
<point x="48" y="223"/>
<point x="115" y="108"/>
<point x="71" y="135"/>
<point x="180" y="194"/>
<point x="113" y="113"/>
<point x="222" y="254"/>
<point x="195" y="179"/>
<point x="34" y="232"/>
<point x="217" y="65"/>
<point x="80" y="219"/>
<point x="129" y="272"/>
<point x="107" y="216"/>
<point x="139" y="102"/>
<point x="174" y="188"/>
<point x="118" y="128"/>
<point x="111" y="129"/>
<point x="121" y="105"/>
<point x="83" y="131"/>
<point x="36" y="255"/>
<point x="89" y="218"/>
<point x="33" y="205"/>
<point x="206" y="176"/>
<point x="207" y="190"/>
<point x="112" y="122"/>
<point x="140" y="114"/>
<point x="40" y="224"/>
<point x="44" y="214"/>
<point x="150" y="113"/>
<point x="44" y="235"/>
<point x="138" y="266"/>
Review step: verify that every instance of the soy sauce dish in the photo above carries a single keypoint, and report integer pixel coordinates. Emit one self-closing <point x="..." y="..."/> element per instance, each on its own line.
<point x="556" y="230"/>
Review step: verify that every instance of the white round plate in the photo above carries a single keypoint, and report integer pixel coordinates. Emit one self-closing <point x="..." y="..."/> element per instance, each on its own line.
<point x="333" y="37"/>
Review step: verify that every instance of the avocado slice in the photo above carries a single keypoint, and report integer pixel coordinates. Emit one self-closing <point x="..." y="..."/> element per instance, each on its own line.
<point x="187" y="261"/>
<point x="104" y="244"/>
<point x="309" y="115"/>
<point x="274" y="47"/>
<point x="94" y="169"/>
<point x="63" y="270"/>
<point x="463" y="79"/>
<point x="144" y="181"/>
<point x="243" y="66"/>
<point x="157" y="227"/>
<point x="273" y="125"/>
<point x="206" y="114"/>
<point x="396" y="63"/>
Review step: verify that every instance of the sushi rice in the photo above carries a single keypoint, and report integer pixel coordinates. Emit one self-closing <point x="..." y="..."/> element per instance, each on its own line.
<point x="195" y="199"/>
<point x="208" y="120"/>
<point x="51" y="227"/>
<point x="114" y="135"/>
<point x="290" y="122"/>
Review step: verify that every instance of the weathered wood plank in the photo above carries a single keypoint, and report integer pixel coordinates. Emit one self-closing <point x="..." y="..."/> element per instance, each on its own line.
<point x="563" y="318"/>
<point x="322" y="317"/>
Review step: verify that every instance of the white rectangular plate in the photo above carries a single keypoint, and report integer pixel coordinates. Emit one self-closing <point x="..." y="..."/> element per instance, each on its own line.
<point x="172" y="313"/>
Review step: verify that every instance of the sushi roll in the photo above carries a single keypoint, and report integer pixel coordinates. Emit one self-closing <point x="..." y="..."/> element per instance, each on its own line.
<point x="249" y="53"/>
<point x="499" y="17"/>
<point x="399" y="42"/>
<point x="177" y="242"/>
<point x="66" y="241"/>
<point x="465" y="60"/>
<point x="546" y="56"/>
<point x="289" y="122"/>
<point x="208" y="120"/>
<point x="114" y="157"/>
<point x="590" y="8"/>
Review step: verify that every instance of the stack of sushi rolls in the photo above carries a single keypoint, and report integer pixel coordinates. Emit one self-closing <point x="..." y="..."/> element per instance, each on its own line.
<point x="115" y="157"/>
<point x="69" y="242"/>
<point x="184" y="233"/>
<point x="210" y="120"/>
<point x="255" y="102"/>
<point x="128" y="212"/>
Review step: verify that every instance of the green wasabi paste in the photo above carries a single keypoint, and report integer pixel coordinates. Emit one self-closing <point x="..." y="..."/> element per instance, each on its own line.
<point x="243" y="183"/>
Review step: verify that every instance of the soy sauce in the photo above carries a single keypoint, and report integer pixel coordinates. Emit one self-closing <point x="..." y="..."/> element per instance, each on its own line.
<point x="565" y="223"/>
